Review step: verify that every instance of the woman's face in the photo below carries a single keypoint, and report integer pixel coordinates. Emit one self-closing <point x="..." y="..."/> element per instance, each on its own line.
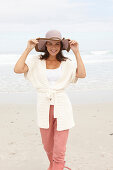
<point x="53" y="47"/>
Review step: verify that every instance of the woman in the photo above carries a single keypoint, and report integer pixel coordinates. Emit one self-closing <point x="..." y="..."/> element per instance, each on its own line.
<point x="50" y="74"/>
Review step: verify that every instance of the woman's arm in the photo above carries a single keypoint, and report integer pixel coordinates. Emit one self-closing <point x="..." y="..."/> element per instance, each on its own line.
<point x="80" y="71"/>
<point x="21" y="66"/>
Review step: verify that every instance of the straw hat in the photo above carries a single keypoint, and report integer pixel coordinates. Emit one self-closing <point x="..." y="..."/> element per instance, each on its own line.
<point x="52" y="35"/>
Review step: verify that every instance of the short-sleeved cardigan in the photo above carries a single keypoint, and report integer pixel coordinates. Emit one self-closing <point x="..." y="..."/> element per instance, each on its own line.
<point x="62" y="105"/>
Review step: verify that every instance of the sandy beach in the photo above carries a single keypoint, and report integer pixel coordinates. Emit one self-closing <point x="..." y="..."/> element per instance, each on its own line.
<point x="90" y="142"/>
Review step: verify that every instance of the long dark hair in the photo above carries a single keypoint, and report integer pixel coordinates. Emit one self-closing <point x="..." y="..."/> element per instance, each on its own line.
<point x="59" y="56"/>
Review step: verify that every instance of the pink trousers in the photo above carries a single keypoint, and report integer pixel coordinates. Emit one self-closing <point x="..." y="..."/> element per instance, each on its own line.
<point x="54" y="142"/>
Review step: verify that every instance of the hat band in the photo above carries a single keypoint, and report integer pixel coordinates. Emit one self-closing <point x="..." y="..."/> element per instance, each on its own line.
<point x="52" y="38"/>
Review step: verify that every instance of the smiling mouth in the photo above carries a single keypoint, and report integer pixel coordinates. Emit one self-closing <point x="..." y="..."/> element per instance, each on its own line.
<point x="53" y="51"/>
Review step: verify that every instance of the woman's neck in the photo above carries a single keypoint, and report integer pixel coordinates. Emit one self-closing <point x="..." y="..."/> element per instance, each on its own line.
<point x="52" y="58"/>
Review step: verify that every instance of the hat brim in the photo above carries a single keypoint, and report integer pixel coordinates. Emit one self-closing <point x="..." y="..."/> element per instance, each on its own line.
<point x="40" y="47"/>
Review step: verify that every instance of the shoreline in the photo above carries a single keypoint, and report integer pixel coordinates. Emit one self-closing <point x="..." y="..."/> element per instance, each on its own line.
<point x="76" y="97"/>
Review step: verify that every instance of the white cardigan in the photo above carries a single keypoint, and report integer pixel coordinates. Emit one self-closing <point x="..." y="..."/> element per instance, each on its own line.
<point x="62" y="105"/>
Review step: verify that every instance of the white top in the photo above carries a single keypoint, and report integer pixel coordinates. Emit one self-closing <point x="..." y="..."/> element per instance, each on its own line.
<point x="53" y="75"/>
<point x="63" y="110"/>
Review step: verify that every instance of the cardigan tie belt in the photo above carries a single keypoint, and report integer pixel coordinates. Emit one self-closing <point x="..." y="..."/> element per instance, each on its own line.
<point x="50" y="93"/>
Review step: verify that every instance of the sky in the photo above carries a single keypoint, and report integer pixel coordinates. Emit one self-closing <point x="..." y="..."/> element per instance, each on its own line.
<point x="89" y="22"/>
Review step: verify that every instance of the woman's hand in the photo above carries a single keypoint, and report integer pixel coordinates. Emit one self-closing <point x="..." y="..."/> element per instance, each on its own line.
<point x="74" y="46"/>
<point x="32" y="43"/>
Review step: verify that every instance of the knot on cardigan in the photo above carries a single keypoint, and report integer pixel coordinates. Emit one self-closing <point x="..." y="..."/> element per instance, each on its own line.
<point x="51" y="94"/>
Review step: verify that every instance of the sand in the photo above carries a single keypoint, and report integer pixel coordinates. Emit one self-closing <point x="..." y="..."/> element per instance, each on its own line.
<point x="89" y="146"/>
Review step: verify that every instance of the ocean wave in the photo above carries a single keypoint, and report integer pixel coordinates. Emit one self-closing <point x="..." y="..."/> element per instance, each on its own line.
<point x="101" y="52"/>
<point x="98" y="61"/>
